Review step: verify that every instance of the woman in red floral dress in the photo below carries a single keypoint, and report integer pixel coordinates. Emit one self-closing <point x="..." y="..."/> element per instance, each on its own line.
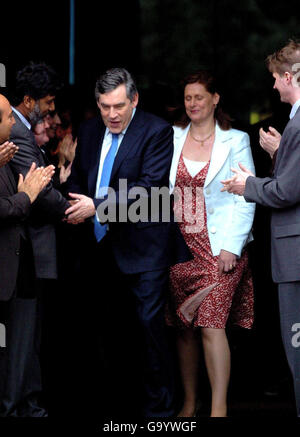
<point x="215" y="286"/>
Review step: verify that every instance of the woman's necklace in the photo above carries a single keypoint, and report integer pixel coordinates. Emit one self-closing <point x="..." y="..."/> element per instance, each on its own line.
<point x="202" y="141"/>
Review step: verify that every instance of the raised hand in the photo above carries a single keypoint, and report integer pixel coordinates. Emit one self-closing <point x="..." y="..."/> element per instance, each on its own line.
<point x="237" y="183"/>
<point x="71" y="150"/>
<point x="64" y="173"/>
<point x="270" y="140"/>
<point x="35" y="180"/>
<point x="67" y="149"/>
<point x="7" y="151"/>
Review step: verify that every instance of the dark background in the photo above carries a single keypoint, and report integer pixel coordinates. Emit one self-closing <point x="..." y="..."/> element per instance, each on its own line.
<point x="159" y="41"/>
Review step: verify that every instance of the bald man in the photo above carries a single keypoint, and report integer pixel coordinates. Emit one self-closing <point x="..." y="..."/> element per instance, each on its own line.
<point x="17" y="276"/>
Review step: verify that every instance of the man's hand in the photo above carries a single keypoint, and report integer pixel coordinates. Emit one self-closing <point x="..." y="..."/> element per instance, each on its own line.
<point x="237" y="183"/>
<point x="270" y="140"/>
<point x="80" y="210"/>
<point x="7" y="151"/>
<point x="35" y="180"/>
<point x="226" y="261"/>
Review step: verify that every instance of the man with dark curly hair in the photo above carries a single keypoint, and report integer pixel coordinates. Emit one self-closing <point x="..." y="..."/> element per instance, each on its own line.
<point x="33" y="97"/>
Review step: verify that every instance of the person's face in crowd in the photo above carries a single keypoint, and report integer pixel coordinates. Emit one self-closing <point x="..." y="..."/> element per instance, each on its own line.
<point x="7" y="119"/>
<point x="40" y="108"/>
<point x="199" y="103"/>
<point x="116" y="109"/>
<point x="53" y="121"/>
<point x="40" y="133"/>
<point x="46" y="104"/>
<point x="281" y="85"/>
<point x="61" y="132"/>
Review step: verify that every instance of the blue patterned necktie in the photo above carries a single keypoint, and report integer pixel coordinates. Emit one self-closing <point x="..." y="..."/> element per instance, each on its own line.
<point x="100" y="230"/>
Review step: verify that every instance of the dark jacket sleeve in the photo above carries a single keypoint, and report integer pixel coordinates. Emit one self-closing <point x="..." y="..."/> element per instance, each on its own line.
<point x="282" y="190"/>
<point x="14" y="209"/>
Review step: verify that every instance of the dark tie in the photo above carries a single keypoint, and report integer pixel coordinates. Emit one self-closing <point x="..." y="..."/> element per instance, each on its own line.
<point x="100" y="230"/>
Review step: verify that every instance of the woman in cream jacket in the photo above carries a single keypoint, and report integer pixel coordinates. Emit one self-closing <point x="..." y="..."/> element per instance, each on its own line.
<point x="216" y="285"/>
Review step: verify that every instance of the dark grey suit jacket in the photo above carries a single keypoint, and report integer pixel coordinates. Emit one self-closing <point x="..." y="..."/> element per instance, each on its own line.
<point x="48" y="208"/>
<point x="282" y="194"/>
<point x="14" y="209"/>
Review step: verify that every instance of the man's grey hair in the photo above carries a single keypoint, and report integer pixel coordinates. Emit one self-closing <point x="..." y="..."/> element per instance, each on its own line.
<point x="114" y="77"/>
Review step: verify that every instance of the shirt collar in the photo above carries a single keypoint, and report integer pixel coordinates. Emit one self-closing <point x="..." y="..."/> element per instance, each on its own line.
<point x="22" y="118"/>
<point x="295" y="108"/>
<point x="107" y="131"/>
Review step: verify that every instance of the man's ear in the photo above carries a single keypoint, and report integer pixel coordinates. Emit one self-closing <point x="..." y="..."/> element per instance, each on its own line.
<point x="29" y="102"/>
<point x="135" y="100"/>
<point x="98" y="103"/>
<point x="288" y="77"/>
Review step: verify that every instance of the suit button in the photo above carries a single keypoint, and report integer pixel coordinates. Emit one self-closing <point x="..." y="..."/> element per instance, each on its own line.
<point x="211" y="210"/>
<point x="213" y="230"/>
<point x="208" y="191"/>
<point x="17" y="252"/>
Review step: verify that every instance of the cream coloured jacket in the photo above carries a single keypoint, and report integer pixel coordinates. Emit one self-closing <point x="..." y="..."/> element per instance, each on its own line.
<point x="229" y="216"/>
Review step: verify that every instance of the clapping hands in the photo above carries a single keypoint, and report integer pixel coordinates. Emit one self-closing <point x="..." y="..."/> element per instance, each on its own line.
<point x="67" y="149"/>
<point x="270" y="140"/>
<point x="35" y="180"/>
<point x="7" y="151"/>
<point x="237" y="183"/>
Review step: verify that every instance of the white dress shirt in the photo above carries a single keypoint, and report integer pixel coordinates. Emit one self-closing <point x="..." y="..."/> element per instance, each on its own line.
<point x="294" y="108"/>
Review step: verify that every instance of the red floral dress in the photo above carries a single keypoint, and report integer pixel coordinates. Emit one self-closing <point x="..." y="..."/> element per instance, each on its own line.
<point x="199" y="296"/>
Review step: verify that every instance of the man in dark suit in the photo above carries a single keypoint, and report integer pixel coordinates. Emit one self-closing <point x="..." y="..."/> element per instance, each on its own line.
<point x="281" y="193"/>
<point x="127" y="151"/>
<point x="33" y="96"/>
<point x="17" y="275"/>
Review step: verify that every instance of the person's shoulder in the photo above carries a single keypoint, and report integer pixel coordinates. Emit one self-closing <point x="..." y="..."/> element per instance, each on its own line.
<point x="20" y="133"/>
<point x="19" y="126"/>
<point x="294" y="122"/>
<point x="178" y="130"/>
<point x="234" y="134"/>
<point x="151" y="120"/>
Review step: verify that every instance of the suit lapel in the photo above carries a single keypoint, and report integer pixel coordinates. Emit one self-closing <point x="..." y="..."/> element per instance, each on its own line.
<point x="94" y="152"/>
<point x="131" y="138"/>
<point x="219" y="154"/>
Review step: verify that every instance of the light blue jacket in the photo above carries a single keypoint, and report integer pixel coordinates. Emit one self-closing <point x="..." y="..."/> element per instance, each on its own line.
<point x="229" y="216"/>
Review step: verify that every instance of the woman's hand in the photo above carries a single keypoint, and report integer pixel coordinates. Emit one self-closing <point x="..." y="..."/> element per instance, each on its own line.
<point x="226" y="261"/>
<point x="67" y="149"/>
<point x="64" y="173"/>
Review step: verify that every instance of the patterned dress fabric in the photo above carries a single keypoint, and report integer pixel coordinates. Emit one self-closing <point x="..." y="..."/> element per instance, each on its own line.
<point x="199" y="297"/>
